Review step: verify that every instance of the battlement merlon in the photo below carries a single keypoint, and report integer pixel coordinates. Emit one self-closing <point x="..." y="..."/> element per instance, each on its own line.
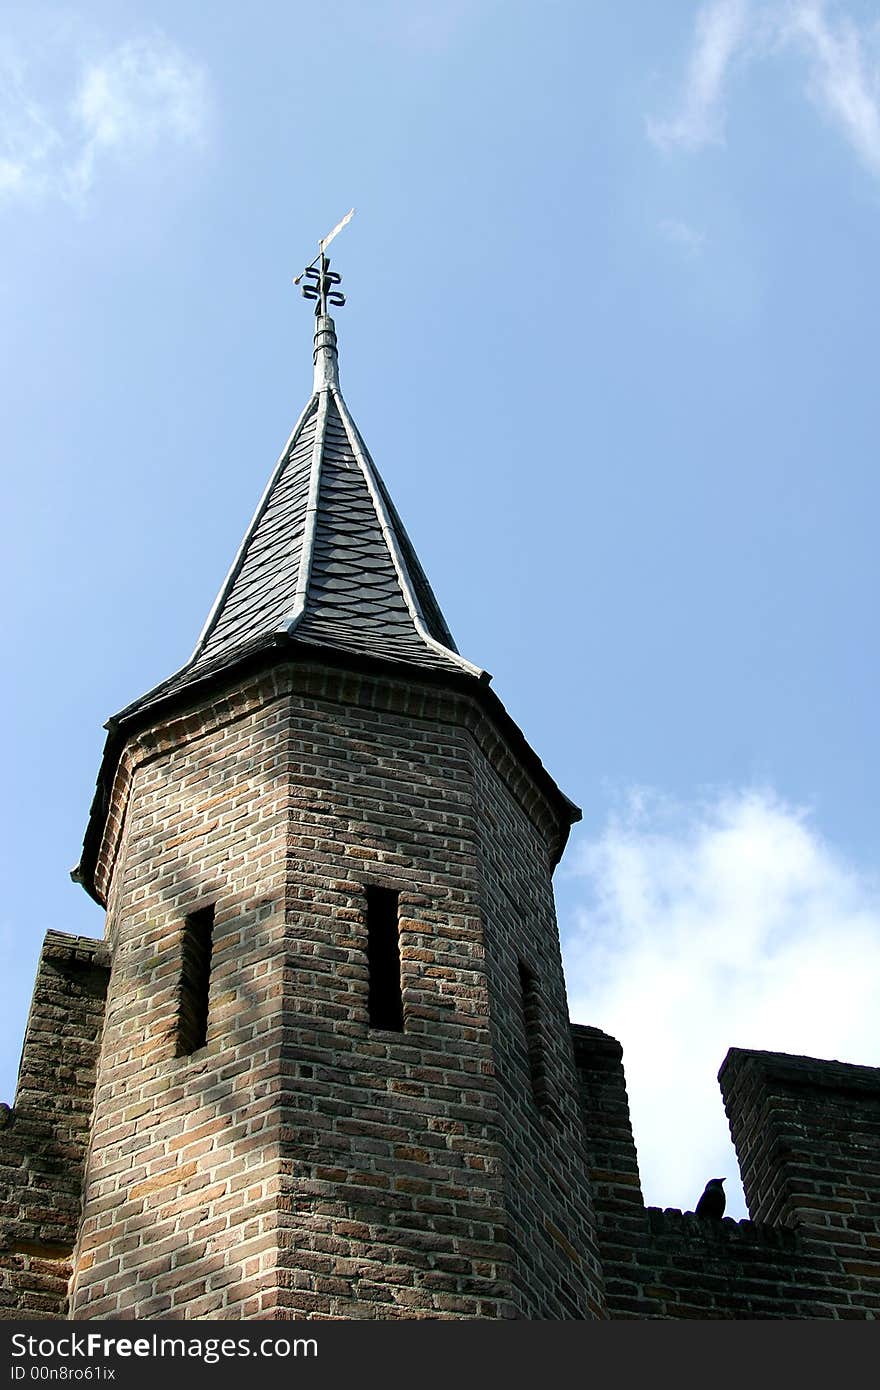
<point x="807" y="1136"/>
<point x="45" y="1134"/>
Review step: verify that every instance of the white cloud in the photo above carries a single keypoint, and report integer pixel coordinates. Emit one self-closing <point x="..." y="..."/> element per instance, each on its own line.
<point x="139" y="96"/>
<point x="728" y="923"/>
<point x="845" y="77"/>
<point x="720" y="29"/>
<point x="683" y="235"/>
<point x="142" y="94"/>
<point x="28" y="140"/>
<point x="842" y="58"/>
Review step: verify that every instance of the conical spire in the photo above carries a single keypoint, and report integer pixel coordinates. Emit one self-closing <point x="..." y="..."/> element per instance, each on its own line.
<point x="326" y="560"/>
<point x="325" y="569"/>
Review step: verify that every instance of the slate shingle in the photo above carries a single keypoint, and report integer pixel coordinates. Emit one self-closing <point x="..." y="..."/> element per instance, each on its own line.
<point x="350" y="580"/>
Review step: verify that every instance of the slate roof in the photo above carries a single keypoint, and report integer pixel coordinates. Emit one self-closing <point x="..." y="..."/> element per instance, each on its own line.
<point x="326" y="559"/>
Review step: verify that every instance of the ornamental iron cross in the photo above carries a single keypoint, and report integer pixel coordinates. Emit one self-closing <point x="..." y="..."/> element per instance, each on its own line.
<point x="322" y="281"/>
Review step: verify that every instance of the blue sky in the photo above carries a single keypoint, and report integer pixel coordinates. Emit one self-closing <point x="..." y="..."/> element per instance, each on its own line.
<point x="611" y="338"/>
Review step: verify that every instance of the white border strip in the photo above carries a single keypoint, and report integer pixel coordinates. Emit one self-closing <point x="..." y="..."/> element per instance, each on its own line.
<point x="403" y="579"/>
<point x="237" y="563"/>
<point x="308" y="544"/>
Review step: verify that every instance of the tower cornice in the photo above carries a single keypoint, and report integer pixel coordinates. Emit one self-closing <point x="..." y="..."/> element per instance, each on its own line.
<point x="516" y="760"/>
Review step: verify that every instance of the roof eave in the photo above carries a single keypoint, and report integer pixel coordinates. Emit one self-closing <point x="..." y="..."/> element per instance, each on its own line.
<point x="273" y="650"/>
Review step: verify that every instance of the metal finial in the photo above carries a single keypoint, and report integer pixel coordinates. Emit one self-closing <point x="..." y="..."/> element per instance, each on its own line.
<point x="321" y="286"/>
<point x="321" y="279"/>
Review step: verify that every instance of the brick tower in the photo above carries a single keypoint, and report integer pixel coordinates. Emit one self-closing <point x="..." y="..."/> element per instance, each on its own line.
<point x="336" y="1075"/>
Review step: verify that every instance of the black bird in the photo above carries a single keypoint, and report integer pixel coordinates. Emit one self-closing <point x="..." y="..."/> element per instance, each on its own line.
<point x="712" y="1202"/>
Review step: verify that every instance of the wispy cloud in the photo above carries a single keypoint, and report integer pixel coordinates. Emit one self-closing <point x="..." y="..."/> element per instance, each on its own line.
<point x="123" y="105"/>
<point x="28" y="140"/>
<point x="845" y="75"/>
<point x="139" y="96"/>
<point x="841" y="56"/>
<point x="728" y="923"/>
<point x="681" y="234"/>
<point x="720" y="29"/>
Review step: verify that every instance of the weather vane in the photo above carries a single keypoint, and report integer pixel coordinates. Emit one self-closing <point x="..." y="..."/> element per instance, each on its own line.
<point x="321" y="279"/>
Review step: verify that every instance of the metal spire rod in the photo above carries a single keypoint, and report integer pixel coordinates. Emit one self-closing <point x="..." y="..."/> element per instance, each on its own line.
<point x="321" y="278"/>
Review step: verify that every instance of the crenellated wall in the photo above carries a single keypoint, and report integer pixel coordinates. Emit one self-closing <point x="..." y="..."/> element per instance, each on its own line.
<point x="807" y="1135"/>
<point x="45" y="1135"/>
<point x="298" y="1162"/>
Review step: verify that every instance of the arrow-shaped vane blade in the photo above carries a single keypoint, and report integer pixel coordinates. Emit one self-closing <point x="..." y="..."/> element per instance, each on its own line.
<point x="336" y="230"/>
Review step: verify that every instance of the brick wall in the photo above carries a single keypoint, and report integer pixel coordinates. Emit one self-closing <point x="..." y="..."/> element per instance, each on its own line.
<point x="302" y="1163"/>
<point x="672" y="1264"/>
<point x="179" y="1215"/>
<point x="44" y="1136"/>
<point x="556" y="1269"/>
<point x="807" y="1137"/>
<point x="614" y="1167"/>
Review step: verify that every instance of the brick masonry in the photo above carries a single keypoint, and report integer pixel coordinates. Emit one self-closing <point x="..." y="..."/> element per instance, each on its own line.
<point x="480" y="1163"/>
<point x="44" y="1136"/>
<point x="803" y="1128"/>
<point x="302" y="1163"/>
<point x="808" y="1138"/>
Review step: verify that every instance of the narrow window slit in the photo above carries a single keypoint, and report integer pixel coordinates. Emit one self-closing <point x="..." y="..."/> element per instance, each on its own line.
<point x="195" y="979"/>
<point x="385" y="1001"/>
<point x="532" y="1007"/>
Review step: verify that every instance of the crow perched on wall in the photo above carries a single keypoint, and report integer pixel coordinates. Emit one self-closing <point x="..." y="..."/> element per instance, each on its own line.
<point x="713" y="1201"/>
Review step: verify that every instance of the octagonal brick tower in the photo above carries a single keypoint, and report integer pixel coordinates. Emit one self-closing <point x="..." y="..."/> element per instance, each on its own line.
<point x="336" y="1076"/>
